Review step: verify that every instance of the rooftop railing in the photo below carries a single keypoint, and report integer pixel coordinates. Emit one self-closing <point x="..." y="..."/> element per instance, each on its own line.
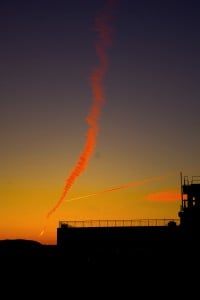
<point x="119" y="223"/>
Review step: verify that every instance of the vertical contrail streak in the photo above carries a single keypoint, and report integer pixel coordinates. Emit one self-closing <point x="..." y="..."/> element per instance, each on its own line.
<point x="104" y="31"/>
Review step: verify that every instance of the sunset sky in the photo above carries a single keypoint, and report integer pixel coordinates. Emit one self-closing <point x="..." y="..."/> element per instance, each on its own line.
<point x="148" y="125"/>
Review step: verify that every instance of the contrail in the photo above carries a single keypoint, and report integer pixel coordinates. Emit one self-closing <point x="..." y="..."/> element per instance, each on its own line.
<point x="104" y="31"/>
<point x="42" y="232"/>
<point x="124" y="186"/>
<point x="136" y="183"/>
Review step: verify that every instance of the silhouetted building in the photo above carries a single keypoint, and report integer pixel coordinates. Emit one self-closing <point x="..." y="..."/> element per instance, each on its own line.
<point x="127" y="234"/>
<point x="190" y="204"/>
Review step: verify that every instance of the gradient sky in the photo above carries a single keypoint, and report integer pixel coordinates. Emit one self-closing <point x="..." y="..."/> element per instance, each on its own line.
<point x="149" y="123"/>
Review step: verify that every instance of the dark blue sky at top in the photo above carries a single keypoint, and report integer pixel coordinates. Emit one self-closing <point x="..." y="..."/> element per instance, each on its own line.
<point x="48" y="51"/>
<point x="41" y="41"/>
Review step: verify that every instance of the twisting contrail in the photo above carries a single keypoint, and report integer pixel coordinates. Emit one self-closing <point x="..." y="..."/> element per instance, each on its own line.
<point x="104" y="30"/>
<point x="136" y="183"/>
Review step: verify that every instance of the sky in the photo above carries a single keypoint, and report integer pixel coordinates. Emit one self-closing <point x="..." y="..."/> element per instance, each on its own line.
<point x="148" y="118"/>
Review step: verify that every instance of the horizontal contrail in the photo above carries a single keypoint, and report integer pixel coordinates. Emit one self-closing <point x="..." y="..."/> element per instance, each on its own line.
<point x="136" y="183"/>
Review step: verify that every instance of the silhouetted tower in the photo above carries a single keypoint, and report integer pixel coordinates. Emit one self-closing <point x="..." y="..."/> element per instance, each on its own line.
<point x="190" y="203"/>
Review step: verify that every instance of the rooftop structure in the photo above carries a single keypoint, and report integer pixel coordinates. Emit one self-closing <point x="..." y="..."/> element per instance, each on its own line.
<point x="129" y="232"/>
<point x="190" y="203"/>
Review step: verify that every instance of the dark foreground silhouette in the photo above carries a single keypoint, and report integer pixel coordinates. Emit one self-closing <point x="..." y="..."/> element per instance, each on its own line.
<point x="153" y="268"/>
<point x="158" y="252"/>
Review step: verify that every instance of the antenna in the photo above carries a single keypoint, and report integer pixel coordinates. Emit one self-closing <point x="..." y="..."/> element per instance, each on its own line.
<point x="181" y="189"/>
